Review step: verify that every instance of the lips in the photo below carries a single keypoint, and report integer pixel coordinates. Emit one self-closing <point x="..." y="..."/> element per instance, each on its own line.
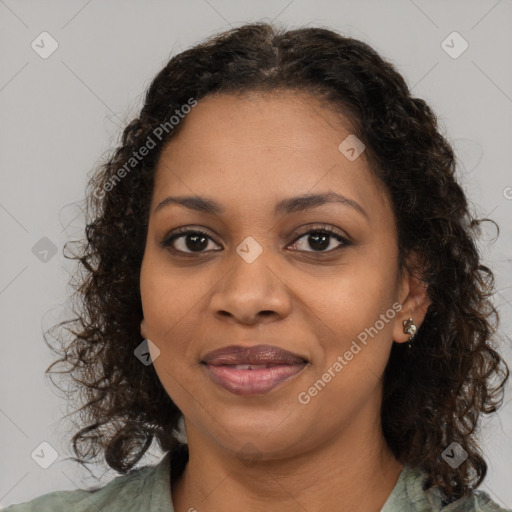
<point x="252" y="370"/>
<point x="256" y="355"/>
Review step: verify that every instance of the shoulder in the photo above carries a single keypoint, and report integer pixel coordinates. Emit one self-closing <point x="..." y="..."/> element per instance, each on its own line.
<point x="409" y="496"/>
<point x="141" y="489"/>
<point x="477" y="501"/>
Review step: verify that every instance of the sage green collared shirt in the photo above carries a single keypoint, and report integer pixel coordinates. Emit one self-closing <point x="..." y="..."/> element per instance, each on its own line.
<point x="148" y="490"/>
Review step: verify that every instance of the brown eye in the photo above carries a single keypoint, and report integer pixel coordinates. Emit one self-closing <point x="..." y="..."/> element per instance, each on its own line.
<point x="187" y="241"/>
<point x="319" y="240"/>
<point x="196" y="241"/>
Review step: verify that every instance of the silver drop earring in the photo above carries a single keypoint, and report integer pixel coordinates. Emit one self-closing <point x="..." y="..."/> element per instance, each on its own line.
<point x="410" y="328"/>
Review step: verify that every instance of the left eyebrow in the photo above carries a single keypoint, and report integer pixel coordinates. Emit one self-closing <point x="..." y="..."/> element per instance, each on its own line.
<point x="309" y="201"/>
<point x="283" y="207"/>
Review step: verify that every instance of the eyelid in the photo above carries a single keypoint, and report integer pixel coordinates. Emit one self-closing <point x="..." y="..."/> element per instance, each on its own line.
<point x="169" y="238"/>
<point x="182" y="231"/>
<point x="335" y="232"/>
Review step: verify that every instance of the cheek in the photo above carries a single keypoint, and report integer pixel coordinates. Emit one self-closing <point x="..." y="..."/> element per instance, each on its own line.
<point x="354" y="298"/>
<point x="167" y="296"/>
<point x="170" y="302"/>
<point x="169" y="315"/>
<point x="356" y="342"/>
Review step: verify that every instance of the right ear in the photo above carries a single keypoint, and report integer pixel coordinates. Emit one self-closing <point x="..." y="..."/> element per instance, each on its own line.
<point x="143" y="329"/>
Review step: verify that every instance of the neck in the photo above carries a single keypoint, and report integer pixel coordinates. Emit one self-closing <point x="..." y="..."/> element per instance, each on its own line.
<point x="355" y="469"/>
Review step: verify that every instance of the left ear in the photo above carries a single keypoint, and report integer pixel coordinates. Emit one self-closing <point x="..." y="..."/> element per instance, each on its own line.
<point x="414" y="300"/>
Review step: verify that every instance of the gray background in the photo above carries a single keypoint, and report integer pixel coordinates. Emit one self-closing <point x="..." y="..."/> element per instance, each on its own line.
<point x="61" y="114"/>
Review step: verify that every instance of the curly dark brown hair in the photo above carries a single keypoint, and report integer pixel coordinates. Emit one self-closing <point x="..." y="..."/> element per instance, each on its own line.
<point x="434" y="393"/>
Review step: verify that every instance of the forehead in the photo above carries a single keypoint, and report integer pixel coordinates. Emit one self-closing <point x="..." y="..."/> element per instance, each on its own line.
<point x="257" y="146"/>
<point x="271" y="119"/>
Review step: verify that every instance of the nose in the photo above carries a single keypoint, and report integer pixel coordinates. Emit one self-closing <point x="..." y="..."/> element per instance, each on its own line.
<point x="252" y="292"/>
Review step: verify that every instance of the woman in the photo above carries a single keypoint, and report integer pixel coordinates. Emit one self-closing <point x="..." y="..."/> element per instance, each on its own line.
<point x="279" y="255"/>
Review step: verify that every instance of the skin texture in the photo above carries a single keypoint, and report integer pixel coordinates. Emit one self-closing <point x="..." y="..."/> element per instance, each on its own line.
<point x="247" y="153"/>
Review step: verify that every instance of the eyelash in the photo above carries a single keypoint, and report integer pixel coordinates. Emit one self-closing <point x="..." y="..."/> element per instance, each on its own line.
<point x="181" y="232"/>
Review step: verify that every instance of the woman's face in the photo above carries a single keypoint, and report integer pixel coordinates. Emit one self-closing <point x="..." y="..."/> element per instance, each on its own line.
<point x="260" y="277"/>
